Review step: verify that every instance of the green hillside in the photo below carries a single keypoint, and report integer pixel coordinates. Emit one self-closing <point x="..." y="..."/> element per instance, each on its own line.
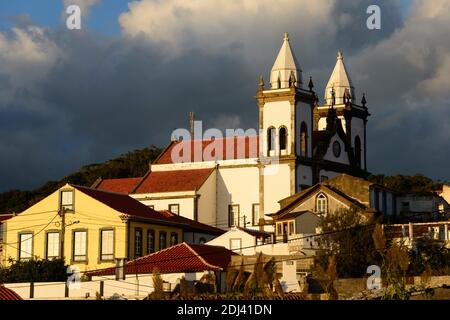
<point x="132" y="164"/>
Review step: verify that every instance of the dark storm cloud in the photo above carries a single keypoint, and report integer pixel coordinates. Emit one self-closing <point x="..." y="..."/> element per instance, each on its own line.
<point x="90" y="98"/>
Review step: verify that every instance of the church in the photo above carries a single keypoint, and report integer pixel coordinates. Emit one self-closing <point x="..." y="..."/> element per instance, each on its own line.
<point x="301" y="142"/>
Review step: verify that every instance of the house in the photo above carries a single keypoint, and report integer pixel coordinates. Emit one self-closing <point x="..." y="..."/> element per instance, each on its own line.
<point x="238" y="180"/>
<point x="409" y="233"/>
<point x="242" y="240"/>
<point x="429" y="206"/>
<point x="194" y="232"/>
<point x="445" y="192"/>
<point x="3" y="218"/>
<point x="90" y="228"/>
<point x="8" y="294"/>
<point x="193" y="262"/>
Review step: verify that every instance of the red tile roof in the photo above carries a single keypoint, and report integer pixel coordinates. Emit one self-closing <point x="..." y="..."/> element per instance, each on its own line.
<point x="176" y="180"/>
<point x="177" y="259"/>
<point x="125" y="185"/>
<point x="249" y="145"/>
<point x="192" y="225"/>
<point x="125" y="204"/>
<point x="4" y="217"/>
<point x="8" y="294"/>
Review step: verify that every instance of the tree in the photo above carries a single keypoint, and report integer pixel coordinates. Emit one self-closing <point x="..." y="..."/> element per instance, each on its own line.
<point x="326" y="277"/>
<point x="432" y="253"/>
<point x="34" y="270"/>
<point x="347" y="236"/>
<point x="395" y="263"/>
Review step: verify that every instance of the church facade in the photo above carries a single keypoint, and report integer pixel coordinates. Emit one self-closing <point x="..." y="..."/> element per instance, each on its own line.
<point x="238" y="181"/>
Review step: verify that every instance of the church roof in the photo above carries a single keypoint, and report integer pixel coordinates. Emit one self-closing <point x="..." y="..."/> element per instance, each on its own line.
<point x="340" y="81"/>
<point x="124" y="185"/>
<point x="249" y="146"/>
<point x="285" y="64"/>
<point x="173" y="181"/>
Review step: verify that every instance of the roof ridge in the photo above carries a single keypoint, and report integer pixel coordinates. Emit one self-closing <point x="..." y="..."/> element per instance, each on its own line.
<point x="201" y="258"/>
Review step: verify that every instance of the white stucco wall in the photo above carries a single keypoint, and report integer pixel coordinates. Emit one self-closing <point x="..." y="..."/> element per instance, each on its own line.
<point x="236" y="186"/>
<point x="278" y="114"/>
<point x="343" y="157"/>
<point x="161" y="201"/>
<point x="276" y="187"/>
<point x="304" y="176"/>
<point x="207" y="200"/>
<point x="303" y="114"/>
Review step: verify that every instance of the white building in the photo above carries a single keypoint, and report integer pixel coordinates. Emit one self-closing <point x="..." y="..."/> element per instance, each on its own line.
<point x="238" y="181"/>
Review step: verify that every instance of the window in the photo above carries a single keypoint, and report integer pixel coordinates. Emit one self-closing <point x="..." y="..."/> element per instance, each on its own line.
<point x="162" y="240"/>
<point x="173" y="239"/>
<point x="358" y="151"/>
<point x="291" y="227"/>
<point x="79" y="246"/>
<point x="270" y="139"/>
<point x="336" y="149"/>
<point x="255" y="214"/>
<point x="303" y="140"/>
<point x="137" y="242"/>
<point x="107" y="245"/>
<point x="66" y="200"/>
<point x="174" y="208"/>
<point x="322" y="205"/>
<point x="150" y="241"/>
<point x="233" y="215"/>
<point x="25" y="246"/>
<point x="278" y="229"/>
<point x="282" y="138"/>
<point x="52" y="245"/>
<point x="235" y="244"/>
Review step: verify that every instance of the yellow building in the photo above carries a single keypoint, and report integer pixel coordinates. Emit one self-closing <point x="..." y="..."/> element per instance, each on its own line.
<point x="99" y="227"/>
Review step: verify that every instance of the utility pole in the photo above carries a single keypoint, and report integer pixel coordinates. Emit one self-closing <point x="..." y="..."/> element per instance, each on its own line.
<point x="62" y="213"/>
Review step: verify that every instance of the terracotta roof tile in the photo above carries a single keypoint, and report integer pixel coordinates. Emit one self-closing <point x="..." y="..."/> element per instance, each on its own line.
<point x="176" y="180"/>
<point x="192" y="225"/>
<point x="125" y="204"/>
<point x="8" y="294"/>
<point x="249" y="145"/>
<point x="125" y="185"/>
<point x="177" y="259"/>
<point x="4" y="217"/>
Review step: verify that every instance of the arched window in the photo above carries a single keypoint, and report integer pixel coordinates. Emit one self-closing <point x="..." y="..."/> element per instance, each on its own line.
<point x="173" y="239"/>
<point x="303" y="140"/>
<point x="358" y="151"/>
<point x="162" y="240"/>
<point x="282" y="138"/>
<point x="150" y="241"/>
<point x="322" y="203"/>
<point x="270" y="139"/>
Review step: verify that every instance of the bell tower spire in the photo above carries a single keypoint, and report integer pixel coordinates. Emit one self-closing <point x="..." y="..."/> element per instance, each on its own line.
<point x="285" y="65"/>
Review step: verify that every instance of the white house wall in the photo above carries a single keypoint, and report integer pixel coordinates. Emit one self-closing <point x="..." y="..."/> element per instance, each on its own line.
<point x="236" y="186"/>
<point x="184" y="200"/>
<point x="207" y="200"/>
<point x="276" y="187"/>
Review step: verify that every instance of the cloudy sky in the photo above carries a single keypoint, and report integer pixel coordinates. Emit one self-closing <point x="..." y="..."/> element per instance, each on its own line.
<point x="136" y="69"/>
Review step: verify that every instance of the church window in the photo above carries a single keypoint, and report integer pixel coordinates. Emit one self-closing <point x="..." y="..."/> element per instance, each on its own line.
<point x="271" y="139"/>
<point x="282" y="138"/>
<point x="358" y="151"/>
<point x="303" y="140"/>
<point x="336" y="149"/>
<point x="322" y="203"/>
